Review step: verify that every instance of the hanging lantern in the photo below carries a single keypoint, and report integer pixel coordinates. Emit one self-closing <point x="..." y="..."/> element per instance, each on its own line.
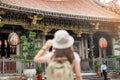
<point x="103" y="42"/>
<point x="13" y="39"/>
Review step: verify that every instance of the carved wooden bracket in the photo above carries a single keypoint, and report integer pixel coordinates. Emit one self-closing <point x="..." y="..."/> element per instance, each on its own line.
<point x="45" y="29"/>
<point x="35" y="18"/>
<point x="78" y="32"/>
<point x="96" y="24"/>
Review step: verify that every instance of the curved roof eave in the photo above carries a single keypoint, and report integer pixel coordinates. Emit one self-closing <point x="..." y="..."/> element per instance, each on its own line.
<point x="48" y="8"/>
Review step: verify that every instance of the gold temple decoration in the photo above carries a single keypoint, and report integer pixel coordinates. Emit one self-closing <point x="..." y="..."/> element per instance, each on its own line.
<point x="78" y="32"/>
<point x="2" y="12"/>
<point x="45" y="29"/>
<point x="35" y="18"/>
<point x="96" y="24"/>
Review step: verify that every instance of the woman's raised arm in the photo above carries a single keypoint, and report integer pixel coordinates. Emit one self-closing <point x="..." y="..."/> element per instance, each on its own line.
<point x="41" y="56"/>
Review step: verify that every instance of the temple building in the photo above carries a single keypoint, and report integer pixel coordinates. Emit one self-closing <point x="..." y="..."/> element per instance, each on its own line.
<point x="85" y="20"/>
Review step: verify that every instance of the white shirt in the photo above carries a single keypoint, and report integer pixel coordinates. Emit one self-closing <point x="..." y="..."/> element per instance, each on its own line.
<point x="103" y="67"/>
<point x="48" y="56"/>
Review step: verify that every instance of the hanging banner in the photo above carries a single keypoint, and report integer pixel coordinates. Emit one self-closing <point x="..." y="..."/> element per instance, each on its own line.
<point x="13" y="39"/>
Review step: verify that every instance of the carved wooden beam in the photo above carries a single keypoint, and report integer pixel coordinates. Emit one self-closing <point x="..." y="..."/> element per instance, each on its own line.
<point x="46" y="28"/>
<point x="78" y="32"/>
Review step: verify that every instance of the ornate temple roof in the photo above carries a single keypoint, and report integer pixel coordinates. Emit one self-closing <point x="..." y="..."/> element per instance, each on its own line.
<point x="79" y="9"/>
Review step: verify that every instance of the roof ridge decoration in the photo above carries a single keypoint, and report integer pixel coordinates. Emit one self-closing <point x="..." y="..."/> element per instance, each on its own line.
<point x="57" y="14"/>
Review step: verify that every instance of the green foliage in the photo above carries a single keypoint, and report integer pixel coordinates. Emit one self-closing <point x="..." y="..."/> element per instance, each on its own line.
<point x="98" y="64"/>
<point x="39" y="70"/>
<point x="26" y="60"/>
<point x="117" y="43"/>
<point x="19" y="56"/>
<point x="22" y="39"/>
<point x="28" y="49"/>
<point x="38" y="40"/>
<point x="32" y="35"/>
<point x="38" y="48"/>
<point x="117" y="57"/>
<point x="117" y="48"/>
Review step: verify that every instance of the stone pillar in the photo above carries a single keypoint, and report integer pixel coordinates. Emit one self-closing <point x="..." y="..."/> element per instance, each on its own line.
<point x="17" y="49"/>
<point x="86" y="48"/>
<point x="19" y="66"/>
<point x="91" y="50"/>
<point x="82" y="47"/>
<point x="38" y="44"/>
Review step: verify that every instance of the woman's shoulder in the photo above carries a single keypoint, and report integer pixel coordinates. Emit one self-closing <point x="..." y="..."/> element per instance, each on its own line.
<point x="48" y="56"/>
<point x="77" y="57"/>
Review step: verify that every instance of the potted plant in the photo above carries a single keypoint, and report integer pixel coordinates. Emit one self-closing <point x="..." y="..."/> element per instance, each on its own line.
<point x="98" y="67"/>
<point x="28" y="51"/>
<point x="39" y="71"/>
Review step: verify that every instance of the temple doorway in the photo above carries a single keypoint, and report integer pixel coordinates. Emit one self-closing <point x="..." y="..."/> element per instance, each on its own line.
<point x="4" y="46"/>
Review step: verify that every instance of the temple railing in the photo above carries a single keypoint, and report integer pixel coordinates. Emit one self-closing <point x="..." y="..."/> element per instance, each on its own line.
<point x="113" y="65"/>
<point x="15" y="67"/>
<point x="7" y="66"/>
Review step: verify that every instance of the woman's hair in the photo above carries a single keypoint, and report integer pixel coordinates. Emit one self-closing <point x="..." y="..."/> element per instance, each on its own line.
<point x="67" y="52"/>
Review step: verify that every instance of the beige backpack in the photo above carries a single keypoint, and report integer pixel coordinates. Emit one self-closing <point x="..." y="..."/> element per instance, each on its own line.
<point x="59" y="71"/>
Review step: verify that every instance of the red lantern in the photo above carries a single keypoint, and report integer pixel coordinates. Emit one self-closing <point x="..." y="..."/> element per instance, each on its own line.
<point x="13" y="39"/>
<point x="103" y="42"/>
